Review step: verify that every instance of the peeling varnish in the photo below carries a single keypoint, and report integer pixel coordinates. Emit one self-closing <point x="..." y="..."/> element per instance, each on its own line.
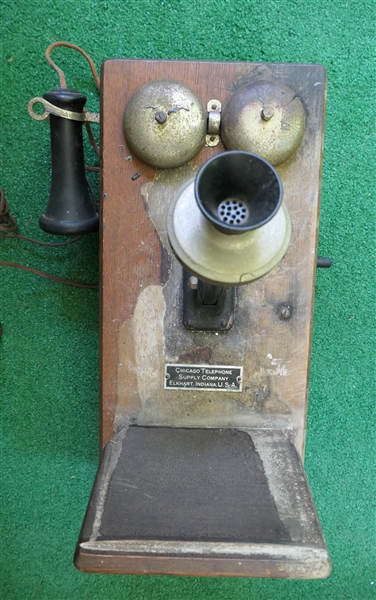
<point x="108" y="466"/>
<point x="149" y="341"/>
<point x="280" y="369"/>
<point x="158" y="194"/>
<point x="186" y="547"/>
<point x="287" y="486"/>
<point x="288" y="385"/>
<point x="128" y="399"/>
<point x="296" y="561"/>
<point x="140" y="347"/>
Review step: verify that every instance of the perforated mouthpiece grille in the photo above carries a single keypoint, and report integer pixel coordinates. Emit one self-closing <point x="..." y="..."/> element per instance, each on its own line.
<point x="233" y="212"/>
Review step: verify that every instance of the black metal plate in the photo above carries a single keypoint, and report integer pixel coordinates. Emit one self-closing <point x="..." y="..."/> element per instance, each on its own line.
<point x="204" y="377"/>
<point x="204" y="317"/>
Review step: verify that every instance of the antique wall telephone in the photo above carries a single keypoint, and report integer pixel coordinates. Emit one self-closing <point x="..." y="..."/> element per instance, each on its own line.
<point x="210" y="181"/>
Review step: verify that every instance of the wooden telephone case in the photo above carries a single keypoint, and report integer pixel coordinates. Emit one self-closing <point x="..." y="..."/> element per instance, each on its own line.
<point x="196" y="482"/>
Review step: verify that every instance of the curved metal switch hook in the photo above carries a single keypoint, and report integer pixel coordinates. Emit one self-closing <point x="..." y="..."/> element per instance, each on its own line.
<point x="59" y="112"/>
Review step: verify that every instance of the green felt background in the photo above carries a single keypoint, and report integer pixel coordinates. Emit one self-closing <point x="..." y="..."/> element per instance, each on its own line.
<point x="49" y="389"/>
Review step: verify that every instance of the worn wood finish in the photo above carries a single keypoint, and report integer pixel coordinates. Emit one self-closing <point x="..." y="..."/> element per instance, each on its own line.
<point x="268" y="566"/>
<point x="202" y="501"/>
<point x="163" y="501"/>
<point x="141" y="322"/>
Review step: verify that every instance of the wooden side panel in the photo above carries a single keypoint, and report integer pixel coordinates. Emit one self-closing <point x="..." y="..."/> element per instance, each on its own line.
<point x="141" y="327"/>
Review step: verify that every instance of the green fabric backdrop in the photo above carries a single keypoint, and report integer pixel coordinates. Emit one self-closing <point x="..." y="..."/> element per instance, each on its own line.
<point x="49" y="389"/>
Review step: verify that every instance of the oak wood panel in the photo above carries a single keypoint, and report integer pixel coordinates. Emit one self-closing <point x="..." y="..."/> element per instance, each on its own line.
<point x="135" y="257"/>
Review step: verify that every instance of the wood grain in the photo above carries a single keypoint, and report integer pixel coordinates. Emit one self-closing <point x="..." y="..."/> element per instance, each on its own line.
<point x="141" y="325"/>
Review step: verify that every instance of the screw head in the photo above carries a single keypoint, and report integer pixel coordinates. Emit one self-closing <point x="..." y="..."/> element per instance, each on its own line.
<point x="193" y="283"/>
<point x="267" y="113"/>
<point x="160" y="116"/>
<point x="285" y="313"/>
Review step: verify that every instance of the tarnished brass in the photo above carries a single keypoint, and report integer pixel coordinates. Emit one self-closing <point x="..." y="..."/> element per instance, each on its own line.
<point x="59" y="112"/>
<point x="223" y="259"/>
<point x="264" y="118"/>
<point x="214" y="108"/>
<point x="165" y="124"/>
<point x="212" y="140"/>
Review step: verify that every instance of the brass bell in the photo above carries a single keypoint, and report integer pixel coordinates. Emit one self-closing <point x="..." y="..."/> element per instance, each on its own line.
<point x="264" y="118"/>
<point x="165" y="124"/>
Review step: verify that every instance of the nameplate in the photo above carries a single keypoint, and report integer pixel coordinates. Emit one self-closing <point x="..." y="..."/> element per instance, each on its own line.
<point x="215" y="378"/>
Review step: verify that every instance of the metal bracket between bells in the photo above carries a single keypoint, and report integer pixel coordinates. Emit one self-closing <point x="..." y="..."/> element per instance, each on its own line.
<point x="214" y="108"/>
